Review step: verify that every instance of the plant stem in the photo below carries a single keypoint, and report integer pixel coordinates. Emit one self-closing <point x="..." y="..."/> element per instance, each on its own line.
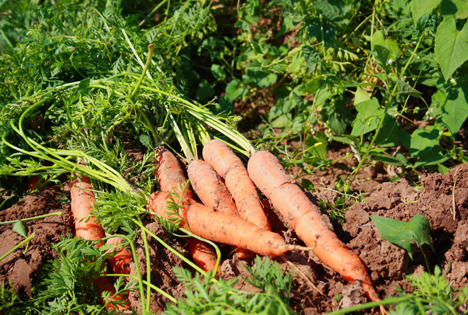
<point x="371" y="304"/>
<point x="18" y="246"/>
<point x="32" y="218"/>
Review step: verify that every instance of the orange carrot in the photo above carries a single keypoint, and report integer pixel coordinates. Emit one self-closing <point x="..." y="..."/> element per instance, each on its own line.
<point x="230" y="167"/>
<point x="82" y="200"/>
<point x="224" y="228"/>
<point x="120" y="263"/>
<point x="213" y="193"/>
<point x="272" y="179"/>
<point x="210" y="188"/>
<point x="170" y="175"/>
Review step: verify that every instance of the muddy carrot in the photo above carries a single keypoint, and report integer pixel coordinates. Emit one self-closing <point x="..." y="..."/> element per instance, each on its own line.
<point x="230" y="167"/>
<point x="170" y="176"/>
<point x="224" y="228"/>
<point x="272" y="179"/>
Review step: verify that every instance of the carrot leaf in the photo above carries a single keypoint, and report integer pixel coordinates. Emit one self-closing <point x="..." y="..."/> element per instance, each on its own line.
<point x="405" y="234"/>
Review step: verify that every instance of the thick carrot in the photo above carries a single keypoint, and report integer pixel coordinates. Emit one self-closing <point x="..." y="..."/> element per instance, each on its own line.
<point x="82" y="200"/>
<point x="170" y="175"/>
<point x="213" y="193"/>
<point x="272" y="179"/>
<point x="210" y="188"/>
<point x="230" y="167"/>
<point x="120" y="263"/>
<point x="224" y="228"/>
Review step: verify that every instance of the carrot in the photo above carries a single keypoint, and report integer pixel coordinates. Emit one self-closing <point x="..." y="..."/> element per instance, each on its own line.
<point x="237" y="180"/>
<point x="213" y="193"/>
<point x="170" y="175"/>
<point x="120" y="263"/>
<point x="82" y="200"/>
<point x="224" y="228"/>
<point x="272" y="179"/>
<point x="210" y="188"/>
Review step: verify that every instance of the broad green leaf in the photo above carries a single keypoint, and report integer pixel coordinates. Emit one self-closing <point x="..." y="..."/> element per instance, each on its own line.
<point x="311" y="57"/>
<point x="260" y="79"/>
<point x="369" y="115"/>
<point x="223" y="106"/>
<point x="320" y="29"/>
<point x="382" y="54"/>
<point x="451" y="46"/>
<point x="422" y="141"/>
<point x="317" y="145"/>
<point x="379" y="39"/>
<point x="235" y="91"/>
<point x="404" y="234"/>
<point x="19" y="228"/>
<point x="337" y="116"/>
<point x="405" y="88"/>
<point x="361" y="95"/>
<point x="204" y="91"/>
<point x="421" y="7"/>
<point x="434" y="156"/>
<point x="218" y="72"/>
<point x="84" y="86"/>
<point x="308" y="185"/>
<point x="456" y="8"/>
<point x="388" y="159"/>
<point x="454" y="111"/>
<point x="389" y="133"/>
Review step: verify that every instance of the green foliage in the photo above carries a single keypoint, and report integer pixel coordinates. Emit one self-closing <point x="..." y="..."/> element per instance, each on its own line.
<point x="433" y="294"/>
<point x="221" y="297"/>
<point x="405" y="234"/>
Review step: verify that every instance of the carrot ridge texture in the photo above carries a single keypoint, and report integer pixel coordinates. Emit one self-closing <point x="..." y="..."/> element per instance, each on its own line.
<point x="271" y="178"/>
<point x="230" y="167"/>
<point x="170" y="175"/>
<point x="223" y="228"/>
<point x="82" y="200"/>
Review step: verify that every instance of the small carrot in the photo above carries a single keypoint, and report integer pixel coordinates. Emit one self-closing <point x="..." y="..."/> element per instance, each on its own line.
<point x="230" y="167"/>
<point x="82" y="200"/>
<point x="224" y="228"/>
<point x="170" y="177"/>
<point x="120" y="262"/>
<point x="272" y="179"/>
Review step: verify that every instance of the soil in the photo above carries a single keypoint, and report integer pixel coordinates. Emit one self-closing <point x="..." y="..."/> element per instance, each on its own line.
<point x="22" y="266"/>
<point x="442" y="199"/>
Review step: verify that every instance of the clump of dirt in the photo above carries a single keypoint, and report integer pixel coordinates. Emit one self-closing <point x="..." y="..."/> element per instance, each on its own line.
<point x="21" y="267"/>
<point x="442" y="199"/>
<point x="162" y="262"/>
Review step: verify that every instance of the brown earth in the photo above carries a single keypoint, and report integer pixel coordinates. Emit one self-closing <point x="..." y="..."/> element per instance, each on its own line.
<point x="442" y="199"/>
<point x="22" y="267"/>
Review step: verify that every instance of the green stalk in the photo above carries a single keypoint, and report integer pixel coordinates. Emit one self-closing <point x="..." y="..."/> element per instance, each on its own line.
<point x="18" y="246"/>
<point x="148" y="63"/>
<point x="364" y="306"/>
<point x="188" y="262"/>
<point x="32" y="218"/>
<point x="148" y="270"/>
<point x="363" y="159"/>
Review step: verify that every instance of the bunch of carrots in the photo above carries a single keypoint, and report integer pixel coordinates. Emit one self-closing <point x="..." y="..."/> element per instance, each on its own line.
<point x="230" y="211"/>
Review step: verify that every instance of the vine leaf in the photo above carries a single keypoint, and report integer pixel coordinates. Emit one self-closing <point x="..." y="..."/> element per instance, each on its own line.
<point x="404" y="234"/>
<point x="451" y="46"/>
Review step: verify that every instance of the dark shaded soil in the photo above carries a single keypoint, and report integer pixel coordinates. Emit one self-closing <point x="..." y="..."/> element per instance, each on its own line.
<point x="22" y="267"/>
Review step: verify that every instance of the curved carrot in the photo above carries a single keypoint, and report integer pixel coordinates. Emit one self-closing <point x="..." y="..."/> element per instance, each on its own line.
<point x="272" y="179"/>
<point x="82" y="200"/>
<point x="224" y="228"/>
<point x="170" y="175"/>
<point x="230" y="167"/>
